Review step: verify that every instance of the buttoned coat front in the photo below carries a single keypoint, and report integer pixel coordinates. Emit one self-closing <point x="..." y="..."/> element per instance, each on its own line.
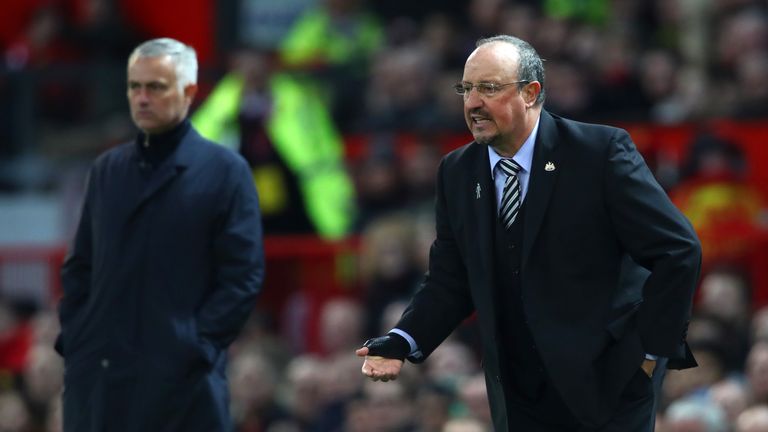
<point x="164" y="270"/>
<point x="608" y="265"/>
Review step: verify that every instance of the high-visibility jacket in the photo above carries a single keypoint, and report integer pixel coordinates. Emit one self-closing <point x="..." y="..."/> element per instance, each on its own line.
<point x="304" y="137"/>
<point x="315" y="38"/>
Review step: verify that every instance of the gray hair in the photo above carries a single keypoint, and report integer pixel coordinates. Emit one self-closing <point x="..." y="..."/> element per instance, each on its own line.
<point x="530" y="67"/>
<point x="182" y="55"/>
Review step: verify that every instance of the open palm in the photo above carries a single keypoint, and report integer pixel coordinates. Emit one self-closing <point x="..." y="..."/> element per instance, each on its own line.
<point x="379" y="368"/>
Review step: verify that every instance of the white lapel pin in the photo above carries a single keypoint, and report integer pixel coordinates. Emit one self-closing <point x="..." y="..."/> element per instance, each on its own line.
<point x="477" y="191"/>
<point x="549" y="166"/>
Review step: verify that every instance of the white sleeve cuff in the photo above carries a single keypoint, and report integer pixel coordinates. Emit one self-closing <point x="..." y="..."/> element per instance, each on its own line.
<point x="411" y="342"/>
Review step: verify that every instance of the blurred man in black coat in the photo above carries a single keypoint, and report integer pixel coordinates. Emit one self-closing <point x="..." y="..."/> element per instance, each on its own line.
<point x="164" y="269"/>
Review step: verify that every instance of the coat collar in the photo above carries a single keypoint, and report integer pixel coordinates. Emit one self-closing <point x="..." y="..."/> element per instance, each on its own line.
<point x="169" y="168"/>
<point x="155" y="148"/>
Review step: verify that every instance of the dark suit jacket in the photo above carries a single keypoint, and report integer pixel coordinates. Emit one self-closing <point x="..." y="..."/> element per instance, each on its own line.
<point x="589" y="223"/>
<point x="163" y="273"/>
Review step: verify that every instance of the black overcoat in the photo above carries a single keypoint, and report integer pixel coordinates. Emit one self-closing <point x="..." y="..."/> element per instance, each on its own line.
<point x="163" y="272"/>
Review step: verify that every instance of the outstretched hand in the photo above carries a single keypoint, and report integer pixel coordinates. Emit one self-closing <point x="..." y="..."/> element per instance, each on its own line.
<point x="379" y="368"/>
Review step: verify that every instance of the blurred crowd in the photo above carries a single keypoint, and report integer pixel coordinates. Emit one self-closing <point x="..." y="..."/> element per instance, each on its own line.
<point x="380" y="70"/>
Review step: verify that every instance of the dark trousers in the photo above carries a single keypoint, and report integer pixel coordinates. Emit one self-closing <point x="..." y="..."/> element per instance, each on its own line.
<point x="636" y="411"/>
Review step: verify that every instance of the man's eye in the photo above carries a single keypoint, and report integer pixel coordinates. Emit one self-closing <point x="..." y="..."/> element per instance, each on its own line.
<point x="486" y="88"/>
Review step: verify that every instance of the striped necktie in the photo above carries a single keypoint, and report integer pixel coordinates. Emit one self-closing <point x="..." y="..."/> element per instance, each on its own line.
<point x="510" y="197"/>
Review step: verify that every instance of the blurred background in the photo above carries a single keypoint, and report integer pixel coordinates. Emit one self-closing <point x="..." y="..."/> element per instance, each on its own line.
<point x="343" y="108"/>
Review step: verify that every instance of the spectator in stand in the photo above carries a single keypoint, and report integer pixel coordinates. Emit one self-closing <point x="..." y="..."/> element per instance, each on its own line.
<point x="399" y="96"/>
<point x="14" y="414"/>
<point x="451" y="364"/>
<point x="390" y="407"/>
<point x="341" y="325"/>
<point x="617" y="93"/>
<point x="659" y="78"/>
<point x="752" y="103"/>
<point x="473" y="396"/>
<point x="759" y="325"/>
<point x="334" y="43"/>
<point x="254" y="400"/>
<point x="387" y="266"/>
<point x="165" y="266"/>
<point x="16" y="338"/>
<point x="303" y="390"/>
<point x="694" y="415"/>
<point x="379" y="182"/>
<point x="433" y="407"/>
<point x="727" y="297"/>
<point x="753" y="419"/>
<point x="419" y="166"/>
<point x="337" y="390"/>
<point x="569" y="92"/>
<point x="741" y="33"/>
<point x="54" y="421"/>
<point x="42" y="381"/>
<point x="447" y="114"/>
<point x="42" y="43"/>
<point x="483" y="18"/>
<point x="100" y="31"/>
<point x="732" y="396"/>
<point x="756" y="370"/>
<point x="519" y="19"/>
<point x="464" y="425"/>
<point x="279" y="123"/>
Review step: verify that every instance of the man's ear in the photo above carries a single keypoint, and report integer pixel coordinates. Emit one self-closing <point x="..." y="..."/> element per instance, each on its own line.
<point x="190" y="91"/>
<point x="531" y="92"/>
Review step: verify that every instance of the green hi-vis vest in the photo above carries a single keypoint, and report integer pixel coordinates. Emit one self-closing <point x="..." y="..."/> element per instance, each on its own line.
<point x="316" y="38"/>
<point x="595" y="12"/>
<point x="303" y="136"/>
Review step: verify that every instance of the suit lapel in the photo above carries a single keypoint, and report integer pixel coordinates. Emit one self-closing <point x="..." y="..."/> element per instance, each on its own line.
<point x="541" y="182"/>
<point x="482" y="217"/>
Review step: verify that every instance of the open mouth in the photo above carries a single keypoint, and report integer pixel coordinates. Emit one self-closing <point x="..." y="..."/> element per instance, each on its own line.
<point x="479" y="119"/>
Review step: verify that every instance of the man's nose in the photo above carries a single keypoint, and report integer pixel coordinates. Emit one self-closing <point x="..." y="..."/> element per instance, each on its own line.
<point x="472" y="99"/>
<point x="142" y="96"/>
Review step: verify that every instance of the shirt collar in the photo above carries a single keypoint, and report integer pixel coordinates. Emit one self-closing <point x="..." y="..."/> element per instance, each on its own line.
<point x="523" y="157"/>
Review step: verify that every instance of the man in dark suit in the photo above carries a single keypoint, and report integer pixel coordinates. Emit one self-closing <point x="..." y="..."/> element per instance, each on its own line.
<point x="164" y="269"/>
<point x="579" y="267"/>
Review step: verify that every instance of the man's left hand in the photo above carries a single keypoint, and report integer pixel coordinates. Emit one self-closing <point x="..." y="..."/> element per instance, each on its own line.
<point x="379" y="368"/>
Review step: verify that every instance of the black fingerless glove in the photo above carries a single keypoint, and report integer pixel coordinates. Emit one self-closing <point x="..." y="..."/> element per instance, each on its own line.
<point x="391" y="346"/>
